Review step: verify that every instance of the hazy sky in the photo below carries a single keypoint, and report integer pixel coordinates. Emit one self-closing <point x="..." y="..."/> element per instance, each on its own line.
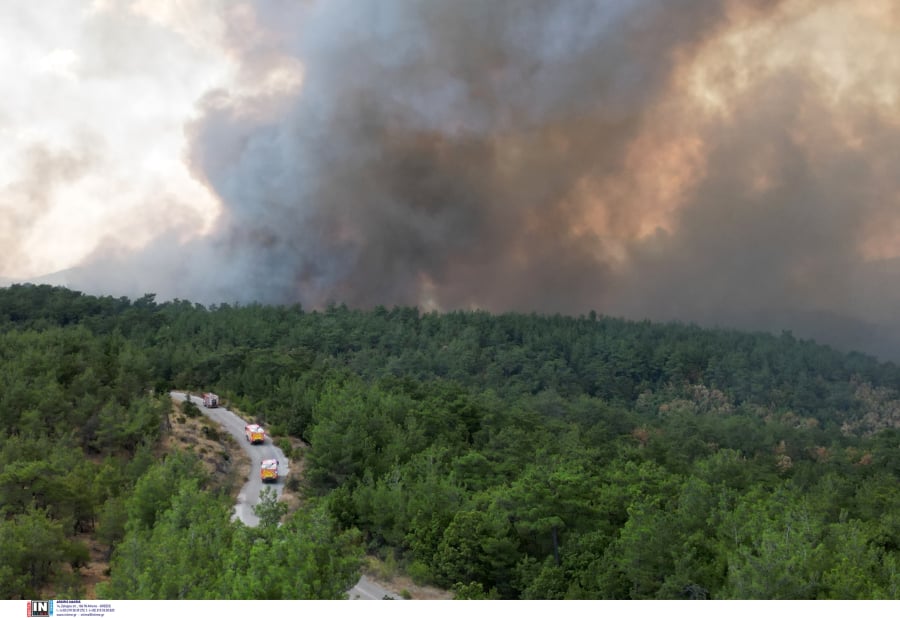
<point x="92" y="123"/>
<point x="726" y="162"/>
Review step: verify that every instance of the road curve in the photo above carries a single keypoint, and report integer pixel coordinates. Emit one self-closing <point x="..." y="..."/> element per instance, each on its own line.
<point x="365" y="589"/>
<point x="234" y="424"/>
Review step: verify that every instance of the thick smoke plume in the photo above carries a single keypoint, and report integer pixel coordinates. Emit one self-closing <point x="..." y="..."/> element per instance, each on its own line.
<point x="731" y="163"/>
<point x="464" y="153"/>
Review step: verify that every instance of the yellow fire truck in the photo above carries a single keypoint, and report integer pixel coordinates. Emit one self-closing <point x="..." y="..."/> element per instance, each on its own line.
<point x="254" y="434"/>
<point x="268" y="471"/>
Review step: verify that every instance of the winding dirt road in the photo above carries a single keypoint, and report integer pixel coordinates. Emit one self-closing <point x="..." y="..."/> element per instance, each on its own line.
<point x="365" y="589"/>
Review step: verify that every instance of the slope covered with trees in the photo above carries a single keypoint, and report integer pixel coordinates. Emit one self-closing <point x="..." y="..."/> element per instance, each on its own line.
<point x="514" y="456"/>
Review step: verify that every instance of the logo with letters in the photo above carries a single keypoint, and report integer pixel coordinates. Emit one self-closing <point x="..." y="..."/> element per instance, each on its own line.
<point x="40" y="608"/>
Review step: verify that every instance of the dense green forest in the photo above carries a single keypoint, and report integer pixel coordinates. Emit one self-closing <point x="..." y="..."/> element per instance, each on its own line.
<point x="500" y="456"/>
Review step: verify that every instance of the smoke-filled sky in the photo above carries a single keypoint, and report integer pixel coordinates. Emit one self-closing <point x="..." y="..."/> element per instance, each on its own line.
<point x="732" y="163"/>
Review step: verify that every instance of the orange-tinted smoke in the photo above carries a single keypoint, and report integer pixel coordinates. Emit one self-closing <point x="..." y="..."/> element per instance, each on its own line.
<point x="726" y="162"/>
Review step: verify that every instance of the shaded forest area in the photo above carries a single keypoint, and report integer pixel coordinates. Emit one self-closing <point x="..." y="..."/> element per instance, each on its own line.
<point x="500" y="456"/>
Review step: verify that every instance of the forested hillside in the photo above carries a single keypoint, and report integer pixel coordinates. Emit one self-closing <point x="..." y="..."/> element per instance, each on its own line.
<point x="511" y="456"/>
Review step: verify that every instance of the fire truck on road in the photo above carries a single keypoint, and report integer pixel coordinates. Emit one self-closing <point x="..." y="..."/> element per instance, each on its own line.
<point x="255" y="434"/>
<point x="268" y="471"/>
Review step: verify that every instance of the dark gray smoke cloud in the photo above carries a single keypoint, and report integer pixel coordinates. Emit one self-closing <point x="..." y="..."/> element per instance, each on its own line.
<point x="435" y="149"/>
<point x="497" y="155"/>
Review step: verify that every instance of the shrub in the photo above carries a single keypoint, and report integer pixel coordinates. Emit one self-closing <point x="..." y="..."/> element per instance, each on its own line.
<point x="210" y="432"/>
<point x="77" y="554"/>
<point x="285" y="445"/>
<point x="190" y="409"/>
<point x="419" y="573"/>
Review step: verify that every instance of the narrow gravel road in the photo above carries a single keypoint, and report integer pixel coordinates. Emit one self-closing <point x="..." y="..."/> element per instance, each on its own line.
<point x="365" y="589"/>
